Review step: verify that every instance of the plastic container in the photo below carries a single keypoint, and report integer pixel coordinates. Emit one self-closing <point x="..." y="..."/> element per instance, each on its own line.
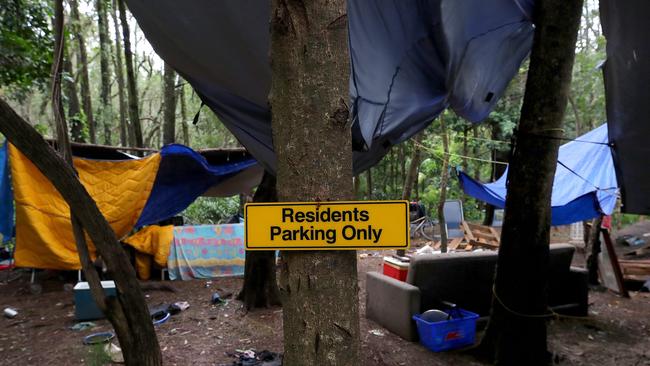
<point x="395" y="268"/>
<point x="457" y="332"/>
<point x="85" y="307"/>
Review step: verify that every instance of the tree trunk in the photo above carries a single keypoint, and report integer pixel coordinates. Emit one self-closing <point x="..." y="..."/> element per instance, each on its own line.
<point x="74" y="107"/>
<point x="592" y="249"/>
<point x="82" y="58"/>
<point x="134" y="328"/>
<point x="369" y="183"/>
<point x="134" y="114"/>
<point x="169" y="113"/>
<point x="260" y="288"/>
<point x="516" y="333"/>
<point x="105" y="109"/>
<point x="311" y="135"/>
<point x="443" y="186"/>
<point x="496" y="170"/>
<point x="411" y="176"/>
<point x="128" y="311"/>
<point x="186" y="128"/>
<point x="126" y="137"/>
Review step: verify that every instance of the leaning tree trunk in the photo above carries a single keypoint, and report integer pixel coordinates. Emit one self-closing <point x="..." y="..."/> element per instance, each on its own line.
<point x="105" y="109"/>
<point x="126" y="137"/>
<point x="134" y="114"/>
<point x="311" y="135"/>
<point x="516" y="333"/>
<point x="128" y="311"/>
<point x="443" y="186"/>
<point x="260" y="288"/>
<point x="169" y="111"/>
<point x="82" y="58"/>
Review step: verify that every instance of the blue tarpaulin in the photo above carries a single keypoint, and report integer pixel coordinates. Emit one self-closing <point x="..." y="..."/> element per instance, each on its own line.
<point x="6" y="198"/>
<point x="585" y="181"/>
<point x="184" y="175"/>
<point x="410" y="59"/>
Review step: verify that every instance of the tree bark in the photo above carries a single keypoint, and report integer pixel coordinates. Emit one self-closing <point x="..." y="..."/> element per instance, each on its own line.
<point x="169" y="112"/>
<point x="516" y="333"/>
<point x="126" y="137"/>
<point x="369" y="183"/>
<point x="186" y="128"/>
<point x="82" y="58"/>
<point x="411" y="176"/>
<point x="105" y="109"/>
<point x="260" y="288"/>
<point x="134" y="114"/>
<point x="311" y="135"/>
<point x="592" y="249"/>
<point x="74" y="107"/>
<point x="443" y="186"/>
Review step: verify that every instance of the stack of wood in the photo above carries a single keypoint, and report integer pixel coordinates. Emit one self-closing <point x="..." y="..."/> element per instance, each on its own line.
<point x="637" y="269"/>
<point x="474" y="236"/>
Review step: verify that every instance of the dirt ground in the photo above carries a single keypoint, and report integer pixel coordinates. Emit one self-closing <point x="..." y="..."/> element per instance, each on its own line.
<point x="617" y="332"/>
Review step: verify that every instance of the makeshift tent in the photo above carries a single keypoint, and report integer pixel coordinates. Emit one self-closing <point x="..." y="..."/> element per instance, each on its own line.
<point x="627" y="88"/>
<point x="129" y="192"/>
<point x="410" y="59"/>
<point x="584" y="185"/>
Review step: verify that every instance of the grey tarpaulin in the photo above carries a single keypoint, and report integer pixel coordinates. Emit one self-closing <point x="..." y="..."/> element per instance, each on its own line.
<point x="410" y="59"/>
<point x="626" y="26"/>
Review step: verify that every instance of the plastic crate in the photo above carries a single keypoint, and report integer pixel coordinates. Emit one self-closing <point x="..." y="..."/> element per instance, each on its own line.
<point x="457" y="332"/>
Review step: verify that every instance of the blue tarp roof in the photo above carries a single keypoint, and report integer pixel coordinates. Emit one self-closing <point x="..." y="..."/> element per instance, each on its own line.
<point x="410" y="59"/>
<point x="585" y="181"/>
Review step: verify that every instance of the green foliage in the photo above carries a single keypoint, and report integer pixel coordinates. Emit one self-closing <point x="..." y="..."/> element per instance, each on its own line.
<point x="209" y="210"/>
<point x="26" y="44"/>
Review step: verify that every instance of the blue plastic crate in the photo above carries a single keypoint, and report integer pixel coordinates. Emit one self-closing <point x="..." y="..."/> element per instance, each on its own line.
<point x="457" y="332"/>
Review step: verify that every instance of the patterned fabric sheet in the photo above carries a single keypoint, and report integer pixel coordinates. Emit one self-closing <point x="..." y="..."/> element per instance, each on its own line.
<point x="207" y="251"/>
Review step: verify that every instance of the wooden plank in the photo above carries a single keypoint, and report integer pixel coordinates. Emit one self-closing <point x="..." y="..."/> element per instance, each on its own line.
<point x="496" y="234"/>
<point x="454" y="243"/>
<point x="468" y="232"/>
<point x="483" y="244"/>
<point x="614" y="261"/>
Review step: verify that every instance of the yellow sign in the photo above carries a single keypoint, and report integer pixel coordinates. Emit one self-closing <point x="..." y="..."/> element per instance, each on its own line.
<point x="337" y="225"/>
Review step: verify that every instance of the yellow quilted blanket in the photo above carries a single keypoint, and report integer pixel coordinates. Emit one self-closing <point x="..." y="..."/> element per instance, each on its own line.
<point x="152" y="242"/>
<point x="44" y="236"/>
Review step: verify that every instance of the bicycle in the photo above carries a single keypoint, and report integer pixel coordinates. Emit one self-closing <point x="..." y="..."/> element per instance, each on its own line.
<point x="422" y="227"/>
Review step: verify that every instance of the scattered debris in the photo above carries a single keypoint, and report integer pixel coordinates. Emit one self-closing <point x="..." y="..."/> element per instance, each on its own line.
<point x="114" y="352"/>
<point x="83" y="326"/>
<point x="98" y="338"/>
<point x="10" y="313"/>
<point x="178" y="306"/>
<point x="216" y="298"/>
<point x="252" y="358"/>
<point x="377" y="332"/>
<point x="427" y="249"/>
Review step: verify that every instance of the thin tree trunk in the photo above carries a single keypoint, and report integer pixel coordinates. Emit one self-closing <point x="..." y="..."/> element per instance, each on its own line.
<point x="260" y="289"/>
<point x="134" y="328"/>
<point x="82" y="57"/>
<point x="357" y="185"/>
<point x="592" y="249"/>
<point x="169" y="112"/>
<point x="465" y="150"/>
<point x="74" y="107"/>
<point x="443" y="186"/>
<point x="134" y="114"/>
<point x="186" y="128"/>
<point x="126" y="136"/>
<point x="369" y="183"/>
<point x="516" y="333"/>
<point x="496" y="170"/>
<point x="105" y="109"/>
<point x="411" y="176"/>
<point x="312" y="140"/>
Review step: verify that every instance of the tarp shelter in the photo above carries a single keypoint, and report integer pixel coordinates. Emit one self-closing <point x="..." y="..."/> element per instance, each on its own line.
<point x="584" y="185"/>
<point x="410" y="59"/>
<point x="129" y="192"/>
<point x="6" y="198"/>
<point x="627" y="90"/>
